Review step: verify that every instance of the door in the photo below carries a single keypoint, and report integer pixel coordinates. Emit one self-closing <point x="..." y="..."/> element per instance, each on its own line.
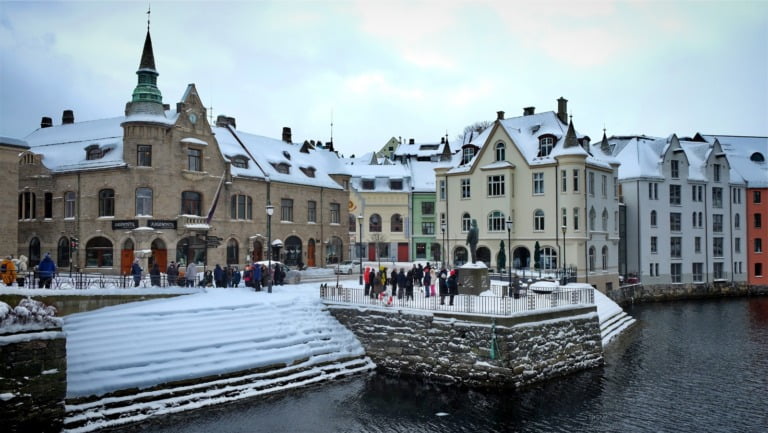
<point x="311" y="253"/>
<point x="126" y="260"/>
<point x="402" y="252"/>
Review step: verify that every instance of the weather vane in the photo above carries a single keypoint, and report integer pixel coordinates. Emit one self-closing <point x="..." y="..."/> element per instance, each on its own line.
<point x="148" y="12"/>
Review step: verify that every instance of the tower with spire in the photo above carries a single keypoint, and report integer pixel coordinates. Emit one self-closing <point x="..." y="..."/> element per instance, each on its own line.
<point x="147" y="98"/>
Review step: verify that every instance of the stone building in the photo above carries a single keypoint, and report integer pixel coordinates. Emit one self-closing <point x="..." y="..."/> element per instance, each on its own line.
<point x="10" y="149"/>
<point x="162" y="184"/>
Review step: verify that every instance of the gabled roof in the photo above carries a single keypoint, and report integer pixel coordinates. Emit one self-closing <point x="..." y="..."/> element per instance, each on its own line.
<point x="640" y="156"/>
<point x="743" y="154"/>
<point x="266" y="154"/>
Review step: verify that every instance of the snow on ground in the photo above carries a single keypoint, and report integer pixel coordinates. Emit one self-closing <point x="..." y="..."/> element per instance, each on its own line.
<point x="204" y="332"/>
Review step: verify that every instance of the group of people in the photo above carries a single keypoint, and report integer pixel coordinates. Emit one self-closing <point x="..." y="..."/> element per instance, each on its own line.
<point x="13" y="270"/>
<point x="434" y="282"/>
<point x="256" y="276"/>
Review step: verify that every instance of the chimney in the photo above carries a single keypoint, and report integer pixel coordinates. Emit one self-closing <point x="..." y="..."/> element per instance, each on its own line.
<point x="166" y="107"/>
<point x="68" y="117"/>
<point x="411" y="141"/>
<point x="287" y="134"/>
<point x="499" y="115"/>
<point x="231" y="122"/>
<point x="562" y="110"/>
<point x="221" y="120"/>
<point x="527" y="111"/>
<point x="46" y="122"/>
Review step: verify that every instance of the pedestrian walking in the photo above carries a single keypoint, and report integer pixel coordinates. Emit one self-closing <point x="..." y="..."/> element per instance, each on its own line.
<point x="191" y="274"/>
<point x="173" y="273"/>
<point x="136" y="272"/>
<point x="154" y="275"/>
<point x="46" y="270"/>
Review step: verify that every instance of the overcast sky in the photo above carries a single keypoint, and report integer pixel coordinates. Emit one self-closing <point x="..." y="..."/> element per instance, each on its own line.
<point x="391" y="68"/>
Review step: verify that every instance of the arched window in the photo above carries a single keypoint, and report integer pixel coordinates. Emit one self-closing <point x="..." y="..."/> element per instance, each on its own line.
<point x="107" y="202"/>
<point x="34" y="252"/>
<point x="653" y="219"/>
<point x="293" y="251"/>
<point x="190" y="203"/>
<point x="592" y="218"/>
<point x="546" y="143"/>
<point x="501" y="151"/>
<point x="757" y="157"/>
<point x="496" y="221"/>
<point x="62" y="253"/>
<point x="460" y="256"/>
<point x="538" y="220"/>
<point x="605" y="258"/>
<point x="396" y="223"/>
<point x="98" y="253"/>
<point x="143" y="201"/>
<point x="605" y="220"/>
<point x="374" y="223"/>
<point x="548" y="258"/>
<point x="466" y="222"/>
<point x="591" y="258"/>
<point x="233" y="252"/>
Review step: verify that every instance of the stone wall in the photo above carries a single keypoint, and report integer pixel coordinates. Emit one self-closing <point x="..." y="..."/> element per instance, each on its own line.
<point x="456" y="349"/>
<point x="33" y="382"/>
<point x="636" y="293"/>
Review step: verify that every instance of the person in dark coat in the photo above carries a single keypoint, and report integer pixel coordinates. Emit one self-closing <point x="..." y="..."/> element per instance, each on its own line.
<point x="375" y="288"/>
<point x="154" y="275"/>
<point x="173" y="273"/>
<point x="46" y="270"/>
<point x="427" y="282"/>
<point x="453" y="286"/>
<point x="235" y="276"/>
<point x="443" y="286"/>
<point x="401" y="283"/>
<point x="136" y="272"/>
<point x="419" y="275"/>
<point x="257" y="277"/>
<point x="409" y="277"/>
<point x="393" y="282"/>
<point x="218" y="276"/>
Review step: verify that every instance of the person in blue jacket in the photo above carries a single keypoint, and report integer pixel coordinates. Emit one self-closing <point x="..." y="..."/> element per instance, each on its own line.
<point x="46" y="270"/>
<point x="136" y="272"/>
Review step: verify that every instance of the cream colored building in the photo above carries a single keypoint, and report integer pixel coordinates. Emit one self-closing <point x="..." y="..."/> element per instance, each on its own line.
<point x="10" y="149"/>
<point x="537" y="173"/>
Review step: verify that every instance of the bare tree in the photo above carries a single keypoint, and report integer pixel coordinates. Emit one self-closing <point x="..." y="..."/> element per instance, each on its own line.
<point x="473" y="130"/>
<point x="378" y="239"/>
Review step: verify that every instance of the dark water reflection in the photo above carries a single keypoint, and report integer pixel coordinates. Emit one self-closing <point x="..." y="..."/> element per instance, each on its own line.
<point x="687" y="367"/>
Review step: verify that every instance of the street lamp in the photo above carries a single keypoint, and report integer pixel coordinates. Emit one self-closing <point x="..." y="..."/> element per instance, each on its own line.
<point x="442" y="229"/>
<point x="509" y="248"/>
<point x="270" y="211"/>
<point x="563" y="228"/>
<point x="360" y="246"/>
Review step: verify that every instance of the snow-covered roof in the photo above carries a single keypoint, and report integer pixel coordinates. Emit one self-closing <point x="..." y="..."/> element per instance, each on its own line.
<point x="313" y="168"/>
<point x="419" y="150"/>
<point x="525" y="132"/>
<point x="640" y="156"/>
<point x="63" y="146"/>
<point x="744" y="157"/>
<point x="15" y="142"/>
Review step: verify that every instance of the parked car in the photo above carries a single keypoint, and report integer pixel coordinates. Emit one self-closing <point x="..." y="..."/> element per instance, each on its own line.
<point x="347" y="267"/>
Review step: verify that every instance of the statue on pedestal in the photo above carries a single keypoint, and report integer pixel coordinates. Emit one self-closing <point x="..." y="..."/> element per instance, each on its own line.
<point x="472" y="240"/>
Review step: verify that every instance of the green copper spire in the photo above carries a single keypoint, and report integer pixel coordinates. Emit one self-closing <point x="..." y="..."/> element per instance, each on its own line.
<point x="146" y="90"/>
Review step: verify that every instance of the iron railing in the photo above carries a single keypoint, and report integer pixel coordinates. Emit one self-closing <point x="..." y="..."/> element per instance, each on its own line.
<point x="495" y="304"/>
<point x="83" y="280"/>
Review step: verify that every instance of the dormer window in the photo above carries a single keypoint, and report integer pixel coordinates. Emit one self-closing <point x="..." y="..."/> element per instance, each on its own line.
<point x="546" y="143"/>
<point x="500" y="151"/>
<point x="396" y="184"/>
<point x="467" y="153"/>
<point x="368" y="184"/>
<point x="287" y="155"/>
<point x="282" y="168"/>
<point x="309" y="171"/>
<point x="757" y="157"/>
<point x="93" y="152"/>
<point x="239" y="162"/>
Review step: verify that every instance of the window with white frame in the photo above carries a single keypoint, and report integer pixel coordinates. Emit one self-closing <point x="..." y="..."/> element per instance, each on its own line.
<point x="564" y="180"/>
<point x="496" y="221"/>
<point x="496" y="185"/>
<point x="312" y="212"/>
<point x="442" y="189"/>
<point x="676" y="272"/>
<point x="675" y="168"/>
<point x="69" y="204"/>
<point x="591" y="258"/>
<point x="575" y="219"/>
<point x="654" y="245"/>
<point x="143" y="201"/>
<point x="737" y="245"/>
<point x="674" y="194"/>
<point x="575" y="180"/>
<point x="538" y="220"/>
<point x="697" y="244"/>
<point x="500" y="151"/>
<point x="676" y="247"/>
<point x="466" y="190"/>
<point x="604" y="218"/>
<point x="546" y="144"/>
<point x="717" y="223"/>
<point x="241" y="207"/>
<point x="564" y="217"/>
<point x="592" y="218"/>
<point x="538" y="183"/>
<point x="717" y="246"/>
<point x="466" y="222"/>
<point x="286" y="209"/>
<point x="697" y="272"/>
<point x="717" y="198"/>
<point x="591" y="184"/>
<point x="716" y="172"/>
<point x="675" y="221"/>
<point x="604" y="185"/>
<point x="653" y="218"/>
<point x="717" y="270"/>
<point x="335" y="217"/>
<point x="604" y="257"/>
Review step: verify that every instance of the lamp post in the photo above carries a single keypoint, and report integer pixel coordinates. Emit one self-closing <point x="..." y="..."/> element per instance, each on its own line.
<point x="509" y="248"/>
<point x="565" y="281"/>
<point x="442" y="229"/>
<point x="270" y="211"/>
<point x="360" y="249"/>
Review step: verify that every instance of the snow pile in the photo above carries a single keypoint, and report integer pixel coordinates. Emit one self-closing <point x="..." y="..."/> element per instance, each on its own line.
<point x="29" y="314"/>
<point x="220" y="331"/>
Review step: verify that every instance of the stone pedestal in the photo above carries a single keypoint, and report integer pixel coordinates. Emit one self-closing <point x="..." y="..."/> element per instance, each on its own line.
<point x="473" y="279"/>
